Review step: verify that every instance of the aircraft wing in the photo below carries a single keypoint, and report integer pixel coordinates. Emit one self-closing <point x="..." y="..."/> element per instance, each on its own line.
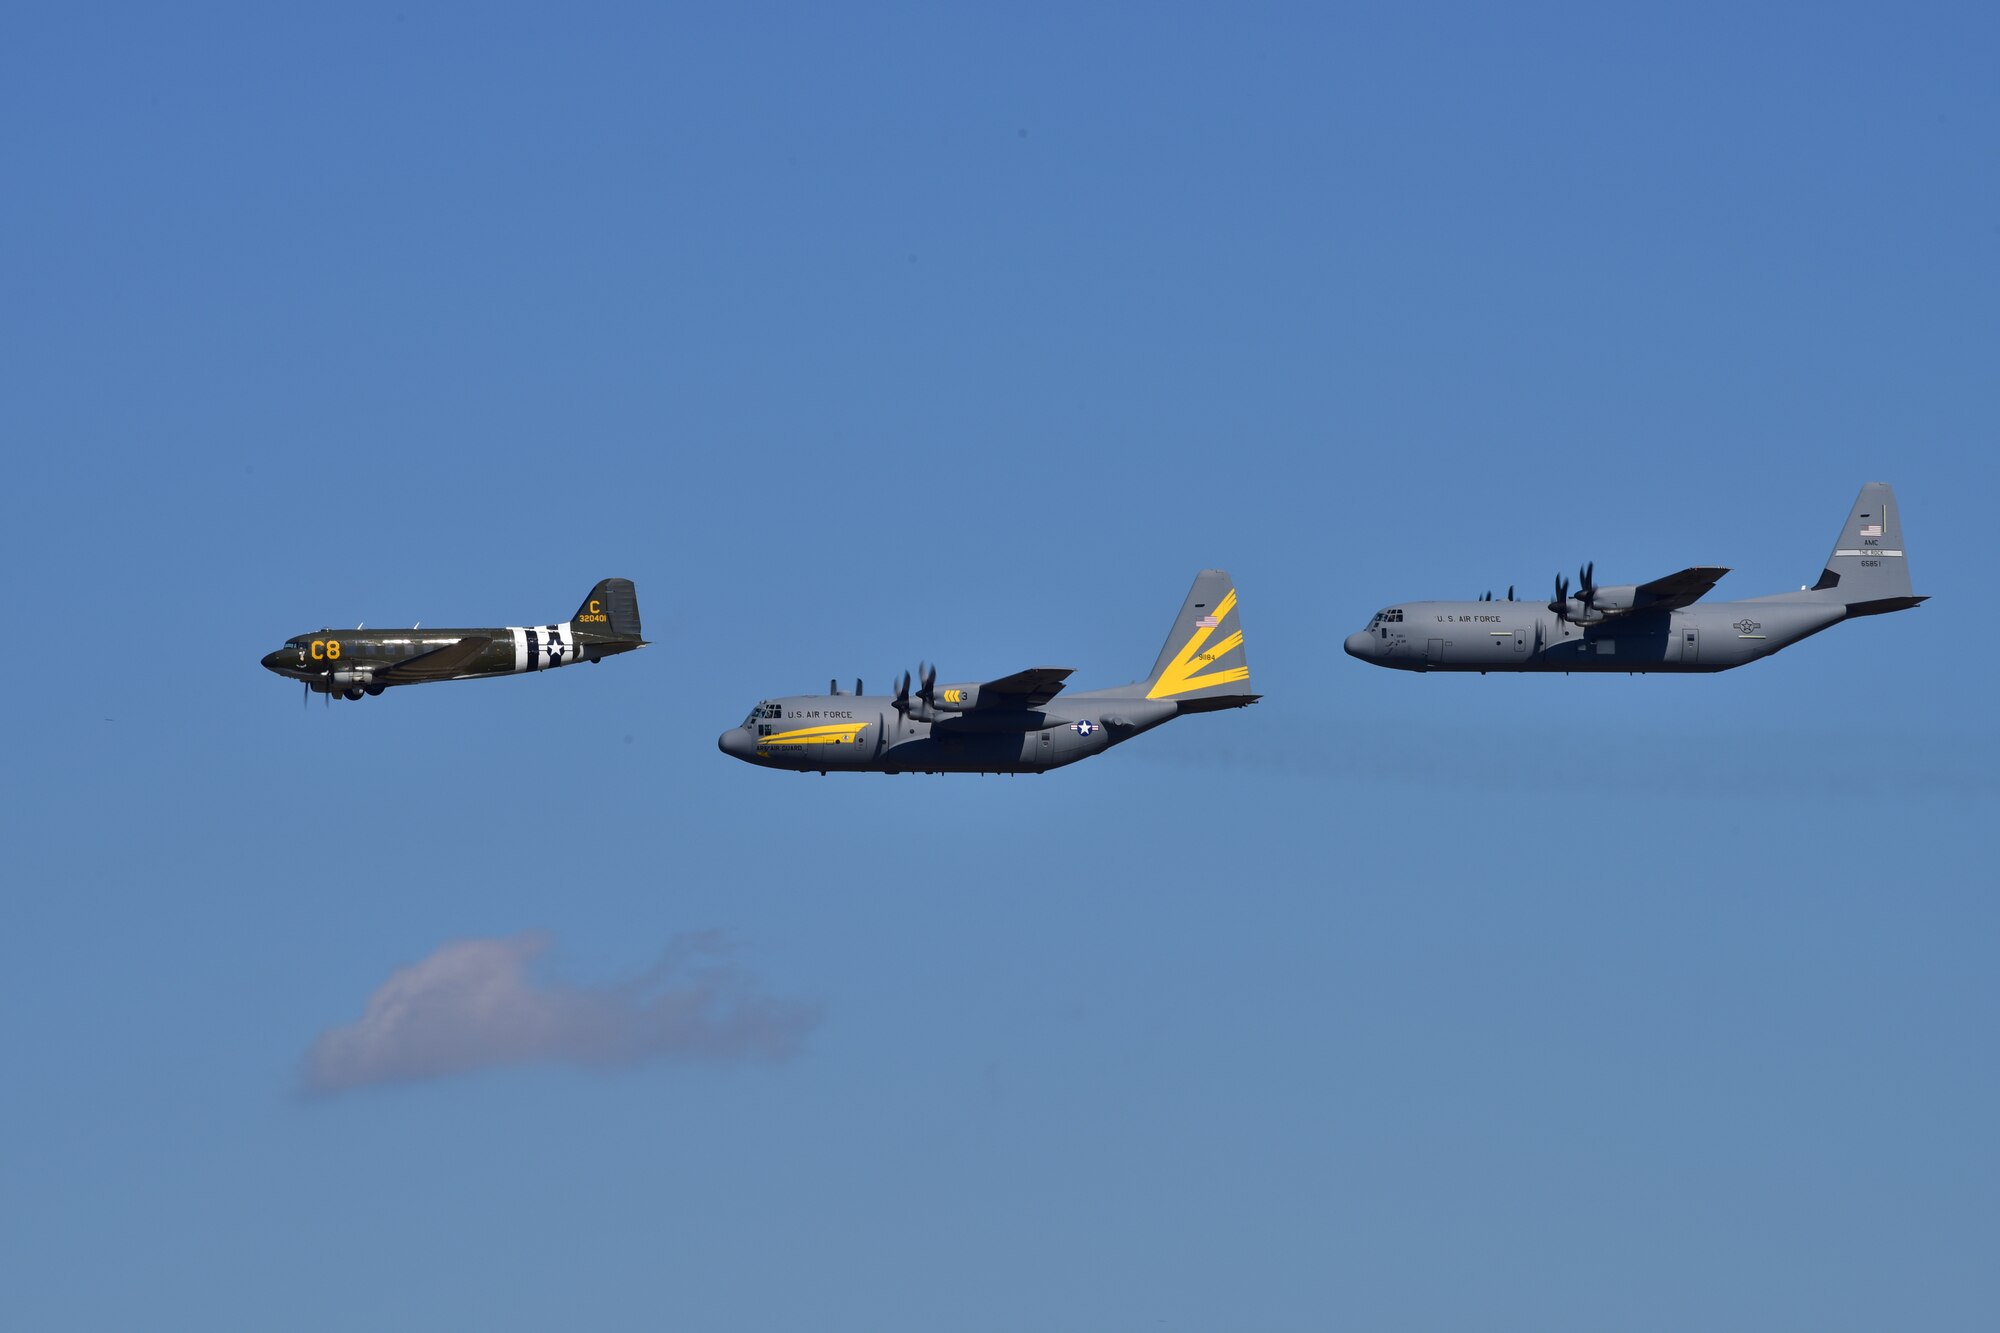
<point x="1029" y="689"/>
<point x="438" y="664"/>
<point x="1678" y="590"/>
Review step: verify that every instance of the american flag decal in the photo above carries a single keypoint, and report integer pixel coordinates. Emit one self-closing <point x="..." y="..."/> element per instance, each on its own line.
<point x="1872" y="530"/>
<point x="1207" y="622"/>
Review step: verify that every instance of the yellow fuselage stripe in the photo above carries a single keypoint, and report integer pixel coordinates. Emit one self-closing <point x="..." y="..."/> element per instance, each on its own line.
<point x="838" y="734"/>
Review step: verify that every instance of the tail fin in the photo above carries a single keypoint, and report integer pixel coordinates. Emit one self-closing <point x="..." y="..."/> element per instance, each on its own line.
<point x="1203" y="665"/>
<point x="1868" y="569"/>
<point x="611" y="611"/>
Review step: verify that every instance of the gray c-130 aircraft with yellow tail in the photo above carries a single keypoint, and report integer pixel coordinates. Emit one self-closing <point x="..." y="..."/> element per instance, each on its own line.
<point x="1015" y="724"/>
<point x="1657" y="626"/>
<point x="360" y="663"/>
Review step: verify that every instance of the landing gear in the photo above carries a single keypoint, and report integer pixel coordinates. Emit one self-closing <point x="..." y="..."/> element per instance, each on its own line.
<point x="352" y="695"/>
<point x="374" y="691"/>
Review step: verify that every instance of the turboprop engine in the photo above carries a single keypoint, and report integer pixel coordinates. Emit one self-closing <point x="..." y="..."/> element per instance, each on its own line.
<point x="955" y="698"/>
<point x="928" y="701"/>
<point x="1591" y="603"/>
<point x="1612" y="601"/>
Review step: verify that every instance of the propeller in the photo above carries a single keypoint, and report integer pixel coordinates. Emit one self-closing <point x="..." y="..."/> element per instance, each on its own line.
<point x="1586" y="589"/>
<point x="1561" y="604"/>
<point x="922" y="709"/>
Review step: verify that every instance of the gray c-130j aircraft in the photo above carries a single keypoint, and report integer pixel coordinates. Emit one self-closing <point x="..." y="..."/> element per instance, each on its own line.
<point x="1657" y="626"/>
<point x="1011" y="725"/>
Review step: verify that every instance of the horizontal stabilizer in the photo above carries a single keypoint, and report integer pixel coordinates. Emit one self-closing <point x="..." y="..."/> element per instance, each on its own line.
<point x="1215" y="703"/>
<point x="1884" y="605"/>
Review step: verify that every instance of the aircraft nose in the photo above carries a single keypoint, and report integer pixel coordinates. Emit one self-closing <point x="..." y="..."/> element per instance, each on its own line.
<point x="274" y="661"/>
<point x="735" y="743"/>
<point x="1361" y="644"/>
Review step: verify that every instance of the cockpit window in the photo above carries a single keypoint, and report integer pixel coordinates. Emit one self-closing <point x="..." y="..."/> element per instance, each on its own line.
<point x="762" y="710"/>
<point x="1391" y="616"/>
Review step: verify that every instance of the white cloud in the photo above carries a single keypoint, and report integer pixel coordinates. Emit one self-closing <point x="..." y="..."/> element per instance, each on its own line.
<point x="476" y="1004"/>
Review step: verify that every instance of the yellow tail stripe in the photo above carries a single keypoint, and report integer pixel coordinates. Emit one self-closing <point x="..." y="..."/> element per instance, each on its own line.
<point x="1229" y="677"/>
<point x="1181" y="676"/>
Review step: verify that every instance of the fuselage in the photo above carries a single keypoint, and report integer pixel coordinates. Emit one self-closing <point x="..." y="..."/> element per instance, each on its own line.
<point x="346" y="661"/>
<point x="359" y="663"/>
<point x="1528" y="636"/>
<point x="1023" y="722"/>
<point x="865" y="732"/>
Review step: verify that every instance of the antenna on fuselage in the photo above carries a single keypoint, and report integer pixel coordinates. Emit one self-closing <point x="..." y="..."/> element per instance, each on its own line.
<point x="833" y="688"/>
<point x="858" y="691"/>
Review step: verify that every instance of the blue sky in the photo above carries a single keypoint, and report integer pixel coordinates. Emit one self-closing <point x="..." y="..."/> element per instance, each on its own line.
<point x="861" y="336"/>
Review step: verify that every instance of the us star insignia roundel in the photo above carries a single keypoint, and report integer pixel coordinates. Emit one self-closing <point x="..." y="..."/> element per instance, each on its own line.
<point x="1083" y="728"/>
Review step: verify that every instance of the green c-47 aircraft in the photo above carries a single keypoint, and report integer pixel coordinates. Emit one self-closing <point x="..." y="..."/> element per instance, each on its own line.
<point x="1015" y="724"/>
<point x="360" y="663"/>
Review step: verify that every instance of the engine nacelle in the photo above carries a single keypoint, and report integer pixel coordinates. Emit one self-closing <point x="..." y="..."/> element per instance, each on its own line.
<point x="1604" y="603"/>
<point x="955" y="698"/>
<point x="352" y="680"/>
<point x="1611" y="601"/>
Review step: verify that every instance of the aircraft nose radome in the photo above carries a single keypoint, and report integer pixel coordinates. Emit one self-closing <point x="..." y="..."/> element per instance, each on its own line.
<point x="1359" y="644"/>
<point x="735" y="743"/>
<point x="272" y="660"/>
